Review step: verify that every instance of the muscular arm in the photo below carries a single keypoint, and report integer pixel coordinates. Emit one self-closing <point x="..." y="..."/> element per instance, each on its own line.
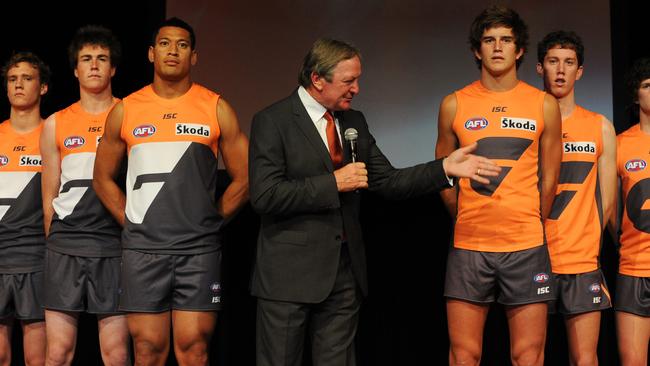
<point x="51" y="173"/>
<point x="614" y="220"/>
<point x="446" y="144"/>
<point x="607" y="170"/>
<point x="234" y="149"/>
<point x="110" y="153"/>
<point x="550" y="153"/>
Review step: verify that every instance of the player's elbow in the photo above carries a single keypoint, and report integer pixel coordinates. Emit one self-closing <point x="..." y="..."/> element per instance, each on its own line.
<point x="99" y="184"/>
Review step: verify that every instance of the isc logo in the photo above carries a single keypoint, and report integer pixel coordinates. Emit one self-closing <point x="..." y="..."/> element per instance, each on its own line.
<point x="144" y="131"/>
<point x="73" y="142"/>
<point x="4" y="160"/>
<point x="597" y="300"/>
<point x="635" y="165"/>
<point x="192" y="129"/>
<point x="30" y="160"/>
<point x="541" y="278"/>
<point x="544" y="290"/>
<point x="477" y="123"/>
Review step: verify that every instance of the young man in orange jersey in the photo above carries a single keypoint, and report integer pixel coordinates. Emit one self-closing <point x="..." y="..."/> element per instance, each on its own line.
<point x="633" y="281"/>
<point x="82" y="237"/>
<point x="22" y="239"/>
<point x="172" y="131"/>
<point x="584" y="198"/>
<point x="499" y="253"/>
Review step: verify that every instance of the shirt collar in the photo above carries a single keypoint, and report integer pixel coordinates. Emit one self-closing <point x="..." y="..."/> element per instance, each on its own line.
<point x="314" y="109"/>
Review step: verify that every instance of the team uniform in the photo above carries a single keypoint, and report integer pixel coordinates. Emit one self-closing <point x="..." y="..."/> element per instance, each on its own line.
<point x="22" y="239"/>
<point x="575" y="225"/>
<point x="499" y="236"/>
<point x="171" y="240"/>
<point x="633" y="282"/>
<point x="82" y="262"/>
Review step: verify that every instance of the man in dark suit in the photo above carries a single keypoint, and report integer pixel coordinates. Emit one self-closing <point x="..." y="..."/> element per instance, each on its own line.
<point x="310" y="269"/>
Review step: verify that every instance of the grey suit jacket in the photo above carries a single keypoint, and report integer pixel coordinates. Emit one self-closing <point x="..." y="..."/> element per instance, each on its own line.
<point x="303" y="216"/>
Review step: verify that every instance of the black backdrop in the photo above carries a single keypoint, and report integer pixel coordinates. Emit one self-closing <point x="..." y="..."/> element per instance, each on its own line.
<point x="403" y="319"/>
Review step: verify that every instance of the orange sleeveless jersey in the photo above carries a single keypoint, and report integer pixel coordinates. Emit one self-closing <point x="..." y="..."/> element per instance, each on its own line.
<point x="22" y="239"/>
<point x="171" y="180"/>
<point x="633" y="156"/>
<point x="81" y="225"/>
<point x="574" y="226"/>
<point x="505" y="215"/>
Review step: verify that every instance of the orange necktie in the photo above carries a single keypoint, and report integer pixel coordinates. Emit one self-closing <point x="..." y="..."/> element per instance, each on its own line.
<point x="336" y="153"/>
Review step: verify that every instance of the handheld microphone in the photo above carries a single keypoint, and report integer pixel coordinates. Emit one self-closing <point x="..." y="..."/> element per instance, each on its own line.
<point x="351" y="135"/>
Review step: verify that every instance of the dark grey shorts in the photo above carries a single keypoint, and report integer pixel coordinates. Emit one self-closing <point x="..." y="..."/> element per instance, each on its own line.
<point x="580" y="293"/>
<point x="78" y="284"/>
<point x="511" y="278"/>
<point x="154" y="283"/>
<point x="632" y="295"/>
<point x="21" y="296"/>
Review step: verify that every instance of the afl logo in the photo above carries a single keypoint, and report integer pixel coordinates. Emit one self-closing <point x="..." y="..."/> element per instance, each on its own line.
<point x="476" y="123"/>
<point x="635" y="165"/>
<point x="541" y="278"/>
<point x="144" y="131"/>
<point x="73" y="142"/>
<point x="595" y="287"/>
<point x="4" y="160"/>
<point x="215" y="287"/>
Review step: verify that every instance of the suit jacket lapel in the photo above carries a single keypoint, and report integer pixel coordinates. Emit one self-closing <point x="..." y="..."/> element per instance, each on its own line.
<point x="304" y="122"/>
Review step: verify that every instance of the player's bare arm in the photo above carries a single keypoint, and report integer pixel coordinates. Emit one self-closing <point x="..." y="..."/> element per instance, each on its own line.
<point x="607" y="169"/>
<point x="614" y="220"/>
<point x="110" y="153"/>
<point x="447" y="142"/>
<point x="233" y="145"/>
<point x="51" y="173"/>
<point x="550" y="153"/>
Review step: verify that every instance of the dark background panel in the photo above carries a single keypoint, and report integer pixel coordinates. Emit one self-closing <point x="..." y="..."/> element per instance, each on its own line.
<point x="47" y="28"/>
<point x="629" y="42"/>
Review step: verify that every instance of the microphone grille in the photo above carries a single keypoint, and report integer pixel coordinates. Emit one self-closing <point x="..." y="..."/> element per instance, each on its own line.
<point x="351" y="134"/>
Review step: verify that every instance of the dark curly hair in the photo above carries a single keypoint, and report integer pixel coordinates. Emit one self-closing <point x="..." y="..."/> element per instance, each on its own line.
<point x="564" y="39"/>
<point x="94" y="35"/>
<point x="496" y="16"/>
<point x="639" y="72"/>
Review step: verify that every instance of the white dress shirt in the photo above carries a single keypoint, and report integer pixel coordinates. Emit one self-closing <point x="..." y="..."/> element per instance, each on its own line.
<point x="316" y="112"/>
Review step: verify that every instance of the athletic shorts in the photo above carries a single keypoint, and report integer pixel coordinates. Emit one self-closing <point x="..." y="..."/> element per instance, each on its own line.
<point x="21" y="295"/>
<point x="153" y="283"/>
<point x="580" y="293"/>
<point x="76" y="284"/>
<point x="633" y="295"/>
<point x="512" y="278"/>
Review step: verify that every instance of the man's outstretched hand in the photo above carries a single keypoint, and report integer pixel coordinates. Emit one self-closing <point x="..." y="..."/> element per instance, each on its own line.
<point x="462" y="164"/>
